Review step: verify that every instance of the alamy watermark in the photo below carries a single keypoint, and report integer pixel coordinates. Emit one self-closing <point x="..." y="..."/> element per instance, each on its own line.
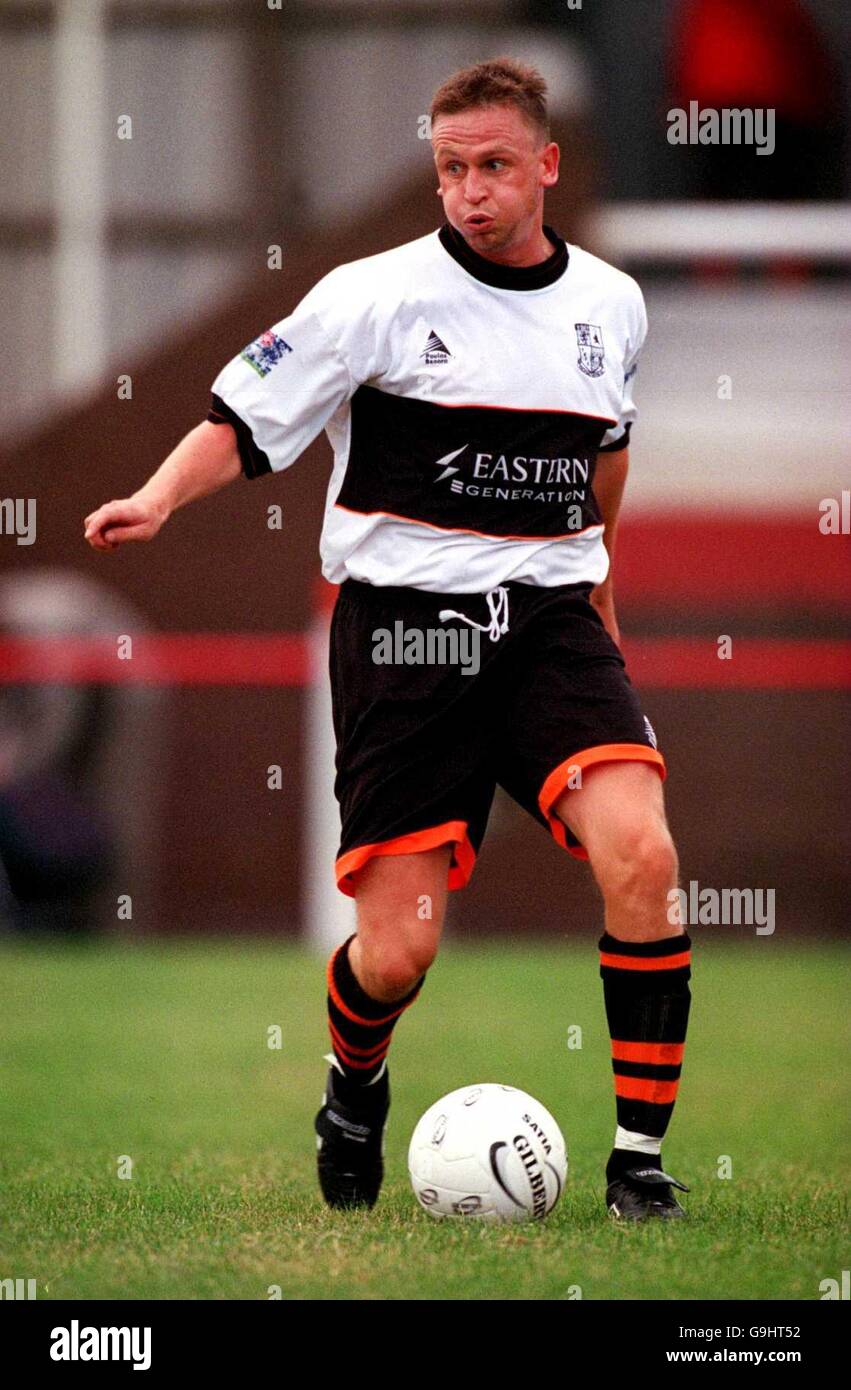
<point x="18" y="1289"/>
<point x="17" y="518"/>
<point x="835" y="514"/>
<point x="430" y="646"/>
<point x="84" y="1343"/>
<point x="728" y="126"/>
<point x="711" y="907"/>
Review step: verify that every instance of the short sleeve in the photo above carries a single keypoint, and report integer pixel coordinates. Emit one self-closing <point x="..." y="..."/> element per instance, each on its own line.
<point x="618" y="436"/>
<point x="281" y="390"/>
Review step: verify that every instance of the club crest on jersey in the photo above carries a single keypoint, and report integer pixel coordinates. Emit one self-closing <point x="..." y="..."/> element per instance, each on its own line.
<point x="265" y="352"/>
<point x="589" y="338"/>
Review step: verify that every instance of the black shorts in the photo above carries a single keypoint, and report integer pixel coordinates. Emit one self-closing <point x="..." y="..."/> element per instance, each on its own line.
<point x="422" y="745"/>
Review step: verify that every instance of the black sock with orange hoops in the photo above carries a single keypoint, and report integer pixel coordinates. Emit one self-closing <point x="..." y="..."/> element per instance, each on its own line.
<point x="361" y="1027"/>
<point x="647" y="998"/>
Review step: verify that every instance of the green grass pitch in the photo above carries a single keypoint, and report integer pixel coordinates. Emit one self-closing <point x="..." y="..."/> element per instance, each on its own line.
<point x="160" y="1053"/>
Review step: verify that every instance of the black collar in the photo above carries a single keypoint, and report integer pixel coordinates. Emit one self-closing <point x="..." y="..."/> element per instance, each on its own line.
<point x="506" y="277"/>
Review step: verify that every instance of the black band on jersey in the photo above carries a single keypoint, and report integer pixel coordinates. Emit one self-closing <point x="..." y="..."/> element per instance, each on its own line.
<point x="506" y="277"/>
<point x="618" y="443"/>
<point x="253" y="460"/>
<point x="511" y="473"/>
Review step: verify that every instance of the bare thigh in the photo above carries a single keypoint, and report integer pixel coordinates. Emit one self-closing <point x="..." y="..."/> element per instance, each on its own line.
<point x="618" y="815"/>
<point x="401" y="905"/>
<point x="616" y="804"/>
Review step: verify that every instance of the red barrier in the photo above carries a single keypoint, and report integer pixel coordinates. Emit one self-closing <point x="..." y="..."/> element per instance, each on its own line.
<point x="283" y="659"/>
<point x="693" y="559"/>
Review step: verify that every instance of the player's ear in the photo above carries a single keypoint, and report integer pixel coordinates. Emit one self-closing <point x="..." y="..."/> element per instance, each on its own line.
<point x="550" y="159"/>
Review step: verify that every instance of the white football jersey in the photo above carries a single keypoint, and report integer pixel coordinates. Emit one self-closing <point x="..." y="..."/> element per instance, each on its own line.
<point x="465" y="402"/>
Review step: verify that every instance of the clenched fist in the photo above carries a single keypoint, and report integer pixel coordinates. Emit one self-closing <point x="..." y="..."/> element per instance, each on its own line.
<point x="127" y="519"/>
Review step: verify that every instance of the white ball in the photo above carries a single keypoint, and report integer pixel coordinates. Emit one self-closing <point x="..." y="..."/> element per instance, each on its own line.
<point x="490" y="1152"/>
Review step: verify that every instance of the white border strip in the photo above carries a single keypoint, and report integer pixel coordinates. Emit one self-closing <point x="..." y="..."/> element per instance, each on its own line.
<point x="328" y="915"/>
<point x="685" y="231"/>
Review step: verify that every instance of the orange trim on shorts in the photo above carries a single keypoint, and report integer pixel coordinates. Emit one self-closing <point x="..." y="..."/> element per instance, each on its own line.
<point x="558" y="779"/>
<point x="645" y="962"/>
<point x="637" y="1088"/>
<point x="655" y="1054"/>
<point x="460" y="865"/>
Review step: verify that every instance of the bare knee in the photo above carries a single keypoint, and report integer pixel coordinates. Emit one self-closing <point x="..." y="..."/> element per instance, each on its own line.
<point x="640" y="864"/>
<point x="388" y="968"/>
<point x="401" y="902"/>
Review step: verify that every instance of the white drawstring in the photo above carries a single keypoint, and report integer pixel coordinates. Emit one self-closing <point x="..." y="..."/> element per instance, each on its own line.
<point x="497" y="600"/>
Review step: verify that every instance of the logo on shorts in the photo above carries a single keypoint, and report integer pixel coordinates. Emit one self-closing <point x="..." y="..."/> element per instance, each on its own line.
<point x="650" y="732"/>
<point x="589" y="339"/>
<point x="265" y="352"/>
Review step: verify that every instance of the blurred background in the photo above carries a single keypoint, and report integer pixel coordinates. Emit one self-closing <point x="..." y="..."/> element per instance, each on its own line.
<point x="174" y="176"/>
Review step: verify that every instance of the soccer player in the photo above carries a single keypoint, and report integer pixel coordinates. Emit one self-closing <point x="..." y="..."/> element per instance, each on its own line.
<point x="476" y="385"/>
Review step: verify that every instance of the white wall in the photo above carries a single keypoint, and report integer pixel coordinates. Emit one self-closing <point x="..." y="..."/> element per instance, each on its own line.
<point x="783" y="438"/>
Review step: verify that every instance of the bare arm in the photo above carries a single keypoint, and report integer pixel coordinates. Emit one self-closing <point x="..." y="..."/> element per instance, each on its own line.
<point x="205" y="460"/>
<point x="609" y="484"/>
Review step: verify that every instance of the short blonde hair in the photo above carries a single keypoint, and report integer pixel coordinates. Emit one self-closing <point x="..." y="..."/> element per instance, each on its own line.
<point x="497" y="81"/>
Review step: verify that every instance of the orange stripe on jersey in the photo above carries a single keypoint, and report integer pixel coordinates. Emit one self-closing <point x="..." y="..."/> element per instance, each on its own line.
<point x="655" y="1054"/>
<point x="467" y="530"/>
<point x="524" y="410"/>
<point x="646" y="962"/>
<point x="641" y="1088"/>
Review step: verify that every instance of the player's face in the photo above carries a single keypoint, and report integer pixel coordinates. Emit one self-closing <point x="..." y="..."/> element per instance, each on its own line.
<point x="493" y="169"/>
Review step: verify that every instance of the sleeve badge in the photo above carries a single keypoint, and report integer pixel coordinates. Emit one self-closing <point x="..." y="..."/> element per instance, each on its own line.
<point x="265" y="352"/>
